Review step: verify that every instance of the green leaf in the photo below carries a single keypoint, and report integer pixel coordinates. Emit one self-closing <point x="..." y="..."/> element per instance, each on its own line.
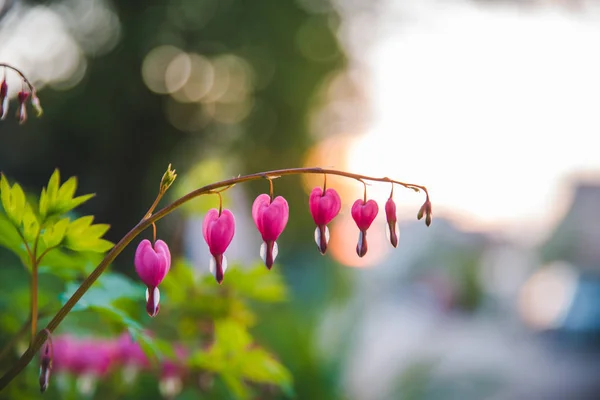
<point x="53" y="186"/>
<point x="43" y="207"/>
<point x="5" y="192"/>
<point x="237" y="387"/>
<point x="77" y="201"/>
<point x="258" y="283"/>
<point x="9" y="237"/>
<point x="109" y="288"/>
<point x="67" y="190"/>
<point x="54" y="234"/>
<point x="231" y="336"/>
<point x="258" y="365"/>
<point x="31" y="226"/>
<point x="13" y="200"/>
<point x="58" y="199"/>
<point x="83" y="236"/>
<point x="66" y="264"/>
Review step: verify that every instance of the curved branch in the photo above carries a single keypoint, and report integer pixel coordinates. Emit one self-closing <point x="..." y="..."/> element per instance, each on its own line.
<point x="149" y="220"/>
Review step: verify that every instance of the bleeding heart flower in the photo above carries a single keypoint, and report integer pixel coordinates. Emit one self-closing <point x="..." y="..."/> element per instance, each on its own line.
<point x="22" y="110"/>
<point x="390" y="214"/>
<point x="363" y="214"/>
<point x="270" y="219"/>
<point x="3" y="99"/>
<point x="152" y="265"/>
<point x="218" y="230"/>
<point x="324" y="207"/>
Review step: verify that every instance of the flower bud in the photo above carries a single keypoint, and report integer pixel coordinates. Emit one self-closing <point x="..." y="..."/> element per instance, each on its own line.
<point x="167" y="179"/>
<point x="270" y="219"/>
<point x="390" y="214"/>
<point x="152" y="265"/>
<point x="45" y="364"/>
<point x="324" y="207"/>
<point x="363" y="214"/>
<point x="425" y="210"/>
<point x="218" y="230"/>
<point x="35" y="102"/>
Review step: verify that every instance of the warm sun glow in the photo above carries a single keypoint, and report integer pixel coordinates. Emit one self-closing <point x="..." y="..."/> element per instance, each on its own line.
<point x="490" y="108"/>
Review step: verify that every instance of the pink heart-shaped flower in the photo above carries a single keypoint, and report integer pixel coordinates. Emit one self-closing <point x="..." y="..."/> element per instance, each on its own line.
<point x="324" y="206"/>
<point x="270" y="217"/>
<point x="364" y="213"/>
<point x="218" y="230"/>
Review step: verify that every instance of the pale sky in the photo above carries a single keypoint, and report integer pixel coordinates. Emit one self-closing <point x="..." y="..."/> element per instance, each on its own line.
<point x="491" y="108"/>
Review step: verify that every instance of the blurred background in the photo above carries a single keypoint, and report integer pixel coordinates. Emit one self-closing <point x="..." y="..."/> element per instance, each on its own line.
<point x="490" y="104"/>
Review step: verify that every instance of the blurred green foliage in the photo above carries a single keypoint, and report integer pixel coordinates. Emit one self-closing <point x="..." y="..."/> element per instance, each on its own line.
<point x="213" y="328"/>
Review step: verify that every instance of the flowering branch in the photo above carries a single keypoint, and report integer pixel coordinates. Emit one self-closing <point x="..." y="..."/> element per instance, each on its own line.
<point x="22" y="96"/>
<point x="150" y="218"/>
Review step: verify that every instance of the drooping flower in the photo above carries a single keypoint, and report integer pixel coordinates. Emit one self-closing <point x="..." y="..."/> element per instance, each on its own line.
<point x="152" y="265"/>
<point x="324" y="207"/>
<point x="390" y="214"/>
<point x="363" y="214"/>
<point x="46" y="355"/>
<point x="270" y="218"/>
<point x="218" y="230"/>
<point x="22" y="110"/>
<point x="425" y="210"/>
<point x="3" y="99"/>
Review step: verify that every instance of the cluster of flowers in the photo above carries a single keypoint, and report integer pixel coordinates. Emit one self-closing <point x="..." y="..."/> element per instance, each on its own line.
<point x="270" y="216"/>
<point x="93" y="359"/>
<point x="22" y="97"/>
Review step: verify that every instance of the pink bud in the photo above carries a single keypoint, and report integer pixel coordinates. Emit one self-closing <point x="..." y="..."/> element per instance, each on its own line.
<point x="46" y="355"/>
<point x="323" y="207"/>
<point x="3" y="99"/>
<point x="22" y="111"/>
<point x="363" y="214"/>
<point x="270" y="219"/>
<point x="152" y="265"/>
<point x="390" y="214"/>
<point x="427" y="210"/>
<point x="218" y="230"/>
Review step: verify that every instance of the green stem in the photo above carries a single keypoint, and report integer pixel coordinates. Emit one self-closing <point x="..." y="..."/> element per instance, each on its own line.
<point x="34" y="286"/>
<point x="145" y="223"/>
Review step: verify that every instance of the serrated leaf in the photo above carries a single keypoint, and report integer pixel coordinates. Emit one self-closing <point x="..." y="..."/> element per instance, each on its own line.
<point x="97" y="230"/>
<point x="67" y="190"/>
<point x="43" y="207"/>
<point x="259" y="366"/>
<point x="5" y="194"/>
<point x="79" y="200"/>
<point x="83" y="236"/>
<point x="31" y="226"/>
<point x="13" y="200"/>
<point x="58" y="199"/>
<point x="53" y="186"/>
<point x="80" y="224"/>
<point x="94" y="245"/>
<point x="54" y="234"/>
<point x="9" y="237"/>
<point x="18" y="203"/>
